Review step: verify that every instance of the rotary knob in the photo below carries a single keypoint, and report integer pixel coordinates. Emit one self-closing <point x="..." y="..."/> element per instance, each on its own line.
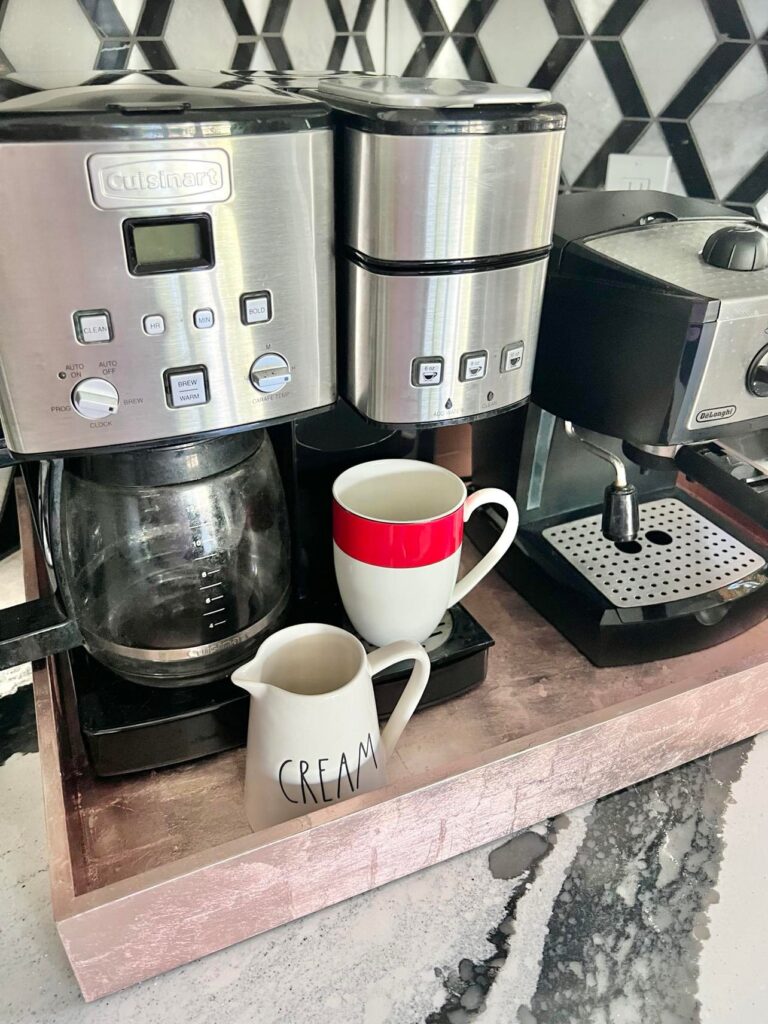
<point x="270" y="373"/>
<point x="737" y="247"/>
<point x="95" y="398"/>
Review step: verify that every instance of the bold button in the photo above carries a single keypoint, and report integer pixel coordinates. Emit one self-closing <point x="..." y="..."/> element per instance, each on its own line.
<point x="512" y="357"/>
<point x="256" y="307"/>
<point x="203" y="318"/>
<point x="473" y="366"/>
<point x="154" y="324"/>
<point x="427" y="371"/>
<point x="93" y="325"/>
<point x="187" y="386"/>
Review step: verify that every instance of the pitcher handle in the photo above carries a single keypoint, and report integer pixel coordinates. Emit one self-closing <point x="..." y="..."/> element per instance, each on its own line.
<point x="401" y="650"/>
<point x="487" y="496"/>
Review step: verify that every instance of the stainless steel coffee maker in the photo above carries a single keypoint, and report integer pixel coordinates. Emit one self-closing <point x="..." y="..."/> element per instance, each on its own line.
<point x="639" y="467"/>
<point x="167" y="276"/>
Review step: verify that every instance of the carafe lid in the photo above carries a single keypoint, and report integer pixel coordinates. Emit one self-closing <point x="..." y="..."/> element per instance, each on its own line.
<point x="174" y="464"/>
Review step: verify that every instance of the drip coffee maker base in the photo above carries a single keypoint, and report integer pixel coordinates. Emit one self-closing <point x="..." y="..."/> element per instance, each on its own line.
<point x="131" y="728"/>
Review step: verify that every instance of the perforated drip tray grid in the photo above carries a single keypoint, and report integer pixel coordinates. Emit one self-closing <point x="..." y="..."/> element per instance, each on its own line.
<point x="678" y="554"/>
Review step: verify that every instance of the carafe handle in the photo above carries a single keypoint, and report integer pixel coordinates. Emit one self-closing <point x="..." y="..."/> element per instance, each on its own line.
<point x="401" y="650"/>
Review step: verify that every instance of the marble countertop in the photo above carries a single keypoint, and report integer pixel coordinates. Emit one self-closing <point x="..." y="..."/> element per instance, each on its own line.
<point x="645" y="907"/>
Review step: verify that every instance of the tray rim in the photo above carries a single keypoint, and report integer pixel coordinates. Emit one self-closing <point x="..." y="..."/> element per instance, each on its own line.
<point x="262" y="880"/>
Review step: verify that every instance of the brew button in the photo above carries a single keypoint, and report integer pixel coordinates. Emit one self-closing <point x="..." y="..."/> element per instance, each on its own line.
<point x="426" y="371"/>
<point x="187" y="388"/>
<point x="154" y="324"/>
<point x="256" y="308"/>
<point x="93" y="326"/>
<point x="473" y="366"/>
<point x="203" y="319"/>
<point x="512" y="357"/>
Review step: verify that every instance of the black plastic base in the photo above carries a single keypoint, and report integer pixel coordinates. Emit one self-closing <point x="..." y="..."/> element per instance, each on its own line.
<point x="595" y="626"/>
<point x="131" y="728"/>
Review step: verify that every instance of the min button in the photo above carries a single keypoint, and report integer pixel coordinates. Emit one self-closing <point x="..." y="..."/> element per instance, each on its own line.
<point x="203" y="319"/>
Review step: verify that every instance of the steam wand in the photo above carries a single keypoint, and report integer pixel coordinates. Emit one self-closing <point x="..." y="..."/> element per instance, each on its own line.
<point x="621" y="513"/>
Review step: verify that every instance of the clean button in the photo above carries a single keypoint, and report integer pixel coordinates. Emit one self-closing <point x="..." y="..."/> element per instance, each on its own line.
<point x="93" y="325"/>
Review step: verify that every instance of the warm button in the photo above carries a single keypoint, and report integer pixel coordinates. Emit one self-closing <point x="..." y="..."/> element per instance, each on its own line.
<point x="187" y="385"/>
<point x="270" y="373"/>
<point x="94" y="398"/>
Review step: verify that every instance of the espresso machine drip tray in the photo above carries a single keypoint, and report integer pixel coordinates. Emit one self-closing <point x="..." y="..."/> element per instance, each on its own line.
<point x="678" y="554"/>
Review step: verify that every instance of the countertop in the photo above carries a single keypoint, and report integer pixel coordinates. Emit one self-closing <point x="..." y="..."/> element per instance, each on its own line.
<point x="646" y="906"/>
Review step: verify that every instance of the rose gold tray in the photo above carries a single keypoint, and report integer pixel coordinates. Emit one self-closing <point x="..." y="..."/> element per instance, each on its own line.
<point x="154" y="870"/>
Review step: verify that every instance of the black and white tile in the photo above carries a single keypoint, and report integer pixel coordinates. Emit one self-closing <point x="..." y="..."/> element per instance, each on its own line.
<point x="687" y="78"/>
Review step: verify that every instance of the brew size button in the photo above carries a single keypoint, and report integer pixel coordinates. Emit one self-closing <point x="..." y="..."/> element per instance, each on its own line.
<point x="473" y="366"/>
<point x="512" y="357"/>
<point x="93" y="326"/>
<point x="426" y="371"/>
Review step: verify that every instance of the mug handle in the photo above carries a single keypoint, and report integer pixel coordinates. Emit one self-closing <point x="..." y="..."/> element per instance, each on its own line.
<point x="487" y="496"/>
<point x="401" y="650"/>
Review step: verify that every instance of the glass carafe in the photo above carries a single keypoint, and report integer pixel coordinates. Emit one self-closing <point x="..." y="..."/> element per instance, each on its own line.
<point x="174" y="562"/>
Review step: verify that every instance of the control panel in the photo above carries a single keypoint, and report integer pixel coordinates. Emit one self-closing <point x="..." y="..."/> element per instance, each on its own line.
<point x="429" y="349"/>
<point x="164" y="322"/>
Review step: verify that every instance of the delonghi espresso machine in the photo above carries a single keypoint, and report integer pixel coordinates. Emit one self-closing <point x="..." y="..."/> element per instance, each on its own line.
<point x="644" y="514"/>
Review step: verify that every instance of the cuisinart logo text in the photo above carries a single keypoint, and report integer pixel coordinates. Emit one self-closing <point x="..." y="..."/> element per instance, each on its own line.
<point x="120" y="180"/>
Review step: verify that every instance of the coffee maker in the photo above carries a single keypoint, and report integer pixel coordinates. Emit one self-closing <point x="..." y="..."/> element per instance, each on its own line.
<point x="637" y="466"/>
<point x="185" y="233"/>
<point x="153" y="330"/>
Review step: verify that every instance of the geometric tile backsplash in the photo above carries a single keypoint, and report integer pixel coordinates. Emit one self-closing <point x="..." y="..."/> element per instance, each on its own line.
<point x="688" y="78"/>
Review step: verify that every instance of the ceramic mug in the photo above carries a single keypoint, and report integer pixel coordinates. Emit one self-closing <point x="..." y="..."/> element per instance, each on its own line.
<point x="313" y="730"/>
<point x="397" y="531"/>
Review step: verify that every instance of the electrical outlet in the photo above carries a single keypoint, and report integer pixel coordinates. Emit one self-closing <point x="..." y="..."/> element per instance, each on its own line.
<point x="638" y="173"/>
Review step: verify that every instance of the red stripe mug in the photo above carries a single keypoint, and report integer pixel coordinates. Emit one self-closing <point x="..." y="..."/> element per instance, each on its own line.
<point x="397" y="532"/>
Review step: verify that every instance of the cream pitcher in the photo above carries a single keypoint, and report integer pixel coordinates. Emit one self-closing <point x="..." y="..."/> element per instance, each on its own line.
<point x="313" y="730"/>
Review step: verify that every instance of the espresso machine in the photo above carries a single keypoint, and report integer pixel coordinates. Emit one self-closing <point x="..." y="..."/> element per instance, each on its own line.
<point x="182" y="228"/>
<point x="639" y="466"/>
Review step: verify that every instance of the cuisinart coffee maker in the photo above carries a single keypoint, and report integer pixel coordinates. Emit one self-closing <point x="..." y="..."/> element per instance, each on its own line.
<point x="167" y="278"/>
<point x="644" y="525"/>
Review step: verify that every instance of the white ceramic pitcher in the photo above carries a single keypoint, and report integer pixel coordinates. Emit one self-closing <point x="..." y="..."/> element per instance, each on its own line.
<point x="313" y="730"/>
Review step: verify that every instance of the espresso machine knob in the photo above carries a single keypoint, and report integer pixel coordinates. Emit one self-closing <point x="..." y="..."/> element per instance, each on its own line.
<point x="95" y="398"/>
<point x="737" y="247"/>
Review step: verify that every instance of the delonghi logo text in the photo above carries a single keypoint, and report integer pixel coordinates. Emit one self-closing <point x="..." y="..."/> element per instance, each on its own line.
<point x="715" y="415"/>
<point x="120" y="180"/>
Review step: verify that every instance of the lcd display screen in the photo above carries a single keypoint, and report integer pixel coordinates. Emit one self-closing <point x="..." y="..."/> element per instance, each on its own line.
<point x="168" y="243"/>
<point x="163" y="245"/>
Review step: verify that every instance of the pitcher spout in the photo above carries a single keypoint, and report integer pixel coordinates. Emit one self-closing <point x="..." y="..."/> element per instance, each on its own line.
<point x="246" y="677"/>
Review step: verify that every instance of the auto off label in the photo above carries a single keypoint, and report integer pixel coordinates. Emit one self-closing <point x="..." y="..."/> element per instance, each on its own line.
<point x="722" y="412"/>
